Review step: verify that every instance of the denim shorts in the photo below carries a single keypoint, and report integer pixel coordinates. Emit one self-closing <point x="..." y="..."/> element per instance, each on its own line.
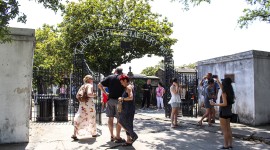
<point x="175" y="105"/>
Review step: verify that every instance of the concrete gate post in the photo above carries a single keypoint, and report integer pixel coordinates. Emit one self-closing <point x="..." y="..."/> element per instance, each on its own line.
<point x="16" y="63"/>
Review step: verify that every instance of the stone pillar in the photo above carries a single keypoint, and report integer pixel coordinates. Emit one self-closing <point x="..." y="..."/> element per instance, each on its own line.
<point x="16" y="61"/>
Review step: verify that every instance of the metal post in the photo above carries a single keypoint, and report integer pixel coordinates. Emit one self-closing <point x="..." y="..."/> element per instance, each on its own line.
<point x="169" y="74"/>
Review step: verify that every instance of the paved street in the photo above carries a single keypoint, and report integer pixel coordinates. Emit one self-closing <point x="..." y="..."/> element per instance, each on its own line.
<point x="154" y="133"/>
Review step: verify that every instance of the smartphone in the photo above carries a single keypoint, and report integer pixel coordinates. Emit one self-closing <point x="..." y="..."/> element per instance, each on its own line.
<point x="214" y="76"/>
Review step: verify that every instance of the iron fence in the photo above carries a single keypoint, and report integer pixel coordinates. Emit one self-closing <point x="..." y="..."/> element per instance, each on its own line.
<point x="189" y="95"/>
<point x="54" y="96"/>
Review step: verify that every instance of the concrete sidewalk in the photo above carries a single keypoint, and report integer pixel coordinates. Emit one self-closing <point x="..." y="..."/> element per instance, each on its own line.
<point x="154" y="132"/>
<point x="245" y="132"/>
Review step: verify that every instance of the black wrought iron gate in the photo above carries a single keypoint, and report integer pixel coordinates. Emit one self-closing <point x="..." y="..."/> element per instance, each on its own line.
<point x="81" y="69"/>
<point x="188" y="82"/>
<point x="189" y="94"/>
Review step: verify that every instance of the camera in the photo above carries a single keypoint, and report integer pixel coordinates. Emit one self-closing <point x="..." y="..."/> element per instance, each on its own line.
<point x="214" y="76"/>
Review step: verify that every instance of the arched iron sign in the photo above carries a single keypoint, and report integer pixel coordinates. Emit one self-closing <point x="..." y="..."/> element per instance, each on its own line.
<point x="81" y="68"/>
<point x="82" y="44"/>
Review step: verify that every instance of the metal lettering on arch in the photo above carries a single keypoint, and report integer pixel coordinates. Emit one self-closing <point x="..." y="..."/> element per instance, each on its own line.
<point x="114" y="32"/>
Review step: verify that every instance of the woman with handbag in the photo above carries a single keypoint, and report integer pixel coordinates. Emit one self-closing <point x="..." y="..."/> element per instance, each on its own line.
<point x="225" y="110"/>
<point x="127" y="110"/>
<point x="85" y="118"/>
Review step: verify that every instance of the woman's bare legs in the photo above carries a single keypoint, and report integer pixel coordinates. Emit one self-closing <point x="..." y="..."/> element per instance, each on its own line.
<point x="173" y="116"/>
<point x="229" y="132"/>
<point x="224" y="128"/>
<point x="206" y="114"/>
<point x="128" y="137"/>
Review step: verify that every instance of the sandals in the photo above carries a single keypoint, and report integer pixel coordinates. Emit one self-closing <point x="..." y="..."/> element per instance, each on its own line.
<point x="127" y="144"/>
<point x="134" y="139"/>
<point x="199" y="123"/>
<point x="112" y="138"/>
<point x="74" y="137"/>
<point x="176" y="125"/>
<point x="95" y="135"/>
<point x="119" y="140"/>
<point x="223" y="147"/>
<point x="173" y="126"/>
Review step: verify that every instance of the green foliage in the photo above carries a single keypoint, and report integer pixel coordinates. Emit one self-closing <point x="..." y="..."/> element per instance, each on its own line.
<point x="85" y="17"/>
<point x="9" y="10"/>
<point x="49" y="52"/>
<point x="52" y="63"/>
<point x="260" y="10"/>
<point x="54" y="5"/>
<point x="150" y="71"/>
<point x="191" y="66"/>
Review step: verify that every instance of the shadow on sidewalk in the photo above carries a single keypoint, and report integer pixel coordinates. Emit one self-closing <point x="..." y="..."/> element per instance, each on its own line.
<point x="112" y="145"/>
<point x="17" y="146"/>
<point x="88" y="141"/>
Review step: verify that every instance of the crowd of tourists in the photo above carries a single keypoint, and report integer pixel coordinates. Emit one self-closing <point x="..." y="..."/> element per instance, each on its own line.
<point x="213" y="89"/>
<point x="118" y="102"/>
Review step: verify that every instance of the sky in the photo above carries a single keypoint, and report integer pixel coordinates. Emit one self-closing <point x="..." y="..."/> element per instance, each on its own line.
<point x="204" y="32"/>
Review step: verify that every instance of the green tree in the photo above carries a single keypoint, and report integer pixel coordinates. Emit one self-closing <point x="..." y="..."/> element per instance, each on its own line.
<point x="259" y="10"/>
<point x="50" y="57"/>
<point x="85" y="17"/>
<point x="150" y="71"/>
<point x="49" y="52"/>
<point x="9" y="10"/>
<point x="191" y="66"/>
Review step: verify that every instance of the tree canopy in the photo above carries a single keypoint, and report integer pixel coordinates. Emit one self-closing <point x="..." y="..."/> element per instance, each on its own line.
<point x="49" y="52"/>
<point x="190" y="65"/>
<point x="259" y="10"/>
<point x="9" y="10"/>
<point x="151" y="71"/>
<point x="103" y="54"/>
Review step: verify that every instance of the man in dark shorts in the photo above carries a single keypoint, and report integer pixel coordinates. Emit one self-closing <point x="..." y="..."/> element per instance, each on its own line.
<point x="116" y="90"/>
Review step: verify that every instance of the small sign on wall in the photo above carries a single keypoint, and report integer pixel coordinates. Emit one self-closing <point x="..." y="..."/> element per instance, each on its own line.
<point x="230" y="76"/>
